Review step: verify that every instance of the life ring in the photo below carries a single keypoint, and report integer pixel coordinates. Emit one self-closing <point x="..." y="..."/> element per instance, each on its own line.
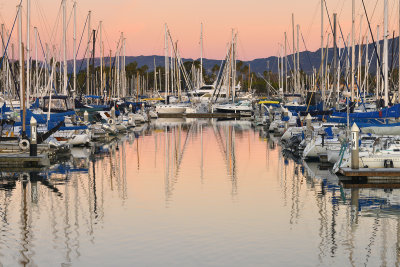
<point x="23" y="144"/>
<point x="110" y="121"/>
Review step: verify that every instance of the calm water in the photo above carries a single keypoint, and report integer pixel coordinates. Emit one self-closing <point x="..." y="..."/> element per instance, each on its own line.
<point x="198" y="193"/>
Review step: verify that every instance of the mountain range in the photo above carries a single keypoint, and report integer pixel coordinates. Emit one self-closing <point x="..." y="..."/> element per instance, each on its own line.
<point x="308" y="59"/>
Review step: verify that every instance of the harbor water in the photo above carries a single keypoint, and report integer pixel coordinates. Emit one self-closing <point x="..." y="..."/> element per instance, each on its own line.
<point x="181" y="192"/>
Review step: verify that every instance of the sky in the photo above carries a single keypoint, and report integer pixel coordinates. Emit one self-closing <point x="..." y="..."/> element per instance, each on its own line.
<point x="260" y="23"/>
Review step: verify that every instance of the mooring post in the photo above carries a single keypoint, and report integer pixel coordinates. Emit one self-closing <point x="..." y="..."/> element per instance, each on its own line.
<point x="286" y="115"/>
<point x="33" y="144"/>
<point x="271" y="115"/>
<point x="86" y="116"/>
<point x="354" y="146"/>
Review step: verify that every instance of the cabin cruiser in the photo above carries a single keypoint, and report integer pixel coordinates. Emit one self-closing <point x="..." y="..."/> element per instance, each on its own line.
<point x="244" y="108"/>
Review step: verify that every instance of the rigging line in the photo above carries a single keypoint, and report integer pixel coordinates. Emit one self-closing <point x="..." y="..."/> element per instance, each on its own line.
<point x="305" y="46"/>
<point x="373" y="42"/>
<point x="8" y="41"/>
<point x="42" y="18"/>
<point x="55" y="26"/>
<point x="41" y="45"/>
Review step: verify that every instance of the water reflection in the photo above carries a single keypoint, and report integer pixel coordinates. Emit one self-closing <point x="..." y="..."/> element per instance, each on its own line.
<point x="220" y="192"/>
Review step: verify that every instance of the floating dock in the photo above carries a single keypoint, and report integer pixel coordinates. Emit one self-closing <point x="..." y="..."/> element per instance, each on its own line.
<point x="371" y="172"/>
<point x="201" y="115"/>
<point x="24" y="160"/>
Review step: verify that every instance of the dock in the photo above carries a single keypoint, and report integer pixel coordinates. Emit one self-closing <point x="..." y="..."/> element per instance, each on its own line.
<point x="371" y="172"/>
<point x="201" y="115"/>
<point x="24" y="160"/>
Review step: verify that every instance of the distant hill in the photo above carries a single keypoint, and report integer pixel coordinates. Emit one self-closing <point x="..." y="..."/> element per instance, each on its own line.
<point x="308" y="60"/>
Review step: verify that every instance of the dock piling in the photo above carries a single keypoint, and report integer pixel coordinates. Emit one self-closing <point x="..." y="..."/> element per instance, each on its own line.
<point x="354" y="147"/>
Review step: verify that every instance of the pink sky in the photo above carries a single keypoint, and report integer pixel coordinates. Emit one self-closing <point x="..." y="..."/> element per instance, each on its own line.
<point x="261" y="24"/>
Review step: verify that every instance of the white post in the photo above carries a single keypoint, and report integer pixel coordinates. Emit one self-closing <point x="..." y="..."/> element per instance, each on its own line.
<point x="354" y="146"/>
<point x="385" y="53"/>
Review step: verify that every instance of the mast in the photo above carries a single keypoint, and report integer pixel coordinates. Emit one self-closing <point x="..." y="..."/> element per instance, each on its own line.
<point x="21" y="69"/>
<point x="385" y="53"/>
<point x="36" y="62"/>
<point x="74" y="56"/>
<point x="123" y="66"/>
<point x="286" y="63"/>
<point x="360" y="41"/>
<point x="88" y="56"/>
<point x="298" y="59"/>
<point x="352" y="49"/>
<point x="378" y="75"/>
<point x="166" y="64"/>
<point x="101" y="58"/>
<point x="335" y="62"/>
<point x="65" y="46"/>
<point x="155" y="75"/>
<point x="201" y="55"/>
<point x="28" y="48"/>
<point x="366" y="67"/>
<point x="398" y="97"/>
<point x="321" y="71"/>
<point x="294" y="58"/>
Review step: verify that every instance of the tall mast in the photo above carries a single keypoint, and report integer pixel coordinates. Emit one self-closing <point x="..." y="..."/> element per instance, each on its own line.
<point x="378" y="76"/>
<point x="21" y="69"/>
<point x="124" y="63"/>
<point x="101" y="58"/>
<point x="366" y="67"/>
<point x="28" y="48"/>
<point x="352" y="49"/>
<point x="286" y="63"/>
<point x="360" y="41"/>
<point x="88" y="56"/>
<point x="321" y="71"/>
<point x="201" y="55"/>
<point x="74" y="56"/>
<point x="336" y="89"/>
<point x="398" y="97"/>
<point x="155" y="75"/>
<point x="65" y="46"/>
<point x="166" y="64"/>
<point x="294" y="58"/>
<point x="298" y="59"/>
<point x="385" y="53"/>
<point x="36" y="63"/>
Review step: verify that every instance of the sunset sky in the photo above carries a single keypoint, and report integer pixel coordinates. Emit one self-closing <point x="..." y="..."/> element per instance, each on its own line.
<point x="261" y="24"/>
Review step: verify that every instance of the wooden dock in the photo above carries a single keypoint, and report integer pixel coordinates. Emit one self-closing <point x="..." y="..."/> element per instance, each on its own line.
<point x="201" y="115"/>
<point x="371" y="172"/>
<point x="24" y="160"/>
